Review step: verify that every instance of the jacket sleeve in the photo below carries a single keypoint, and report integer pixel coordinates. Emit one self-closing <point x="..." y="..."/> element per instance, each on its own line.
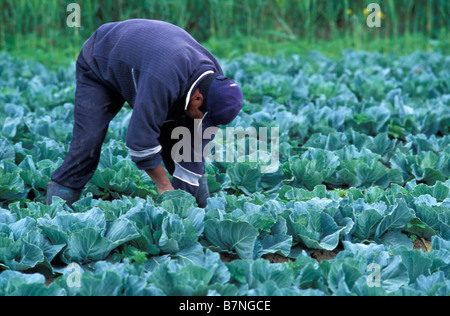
<point x="187" y="180"/>
<point x="188" y="172"/>
<point x="150" y="110"/>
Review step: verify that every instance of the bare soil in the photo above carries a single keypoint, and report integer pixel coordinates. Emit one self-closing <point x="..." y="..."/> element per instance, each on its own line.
<point x="321" y="255"/>
<point x="420" y="244"/>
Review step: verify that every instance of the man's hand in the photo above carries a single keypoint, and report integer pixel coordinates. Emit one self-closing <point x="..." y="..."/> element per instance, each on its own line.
<point x="162" y="189"/>
<point x="159" y="176"/>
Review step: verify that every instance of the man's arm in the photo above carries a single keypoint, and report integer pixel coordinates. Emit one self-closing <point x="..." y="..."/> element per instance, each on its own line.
<point x="159" y="176"/>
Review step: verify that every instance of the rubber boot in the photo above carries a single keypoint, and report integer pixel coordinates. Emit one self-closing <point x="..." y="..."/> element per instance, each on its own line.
<point x="69" y="195"/>
<point x="203" y="192"/>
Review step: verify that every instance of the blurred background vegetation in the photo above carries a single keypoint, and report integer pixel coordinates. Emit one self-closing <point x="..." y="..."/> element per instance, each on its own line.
<point x="37" y="28"/>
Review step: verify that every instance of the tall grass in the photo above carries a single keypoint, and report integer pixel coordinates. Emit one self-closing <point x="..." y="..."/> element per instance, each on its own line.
<point x="271" y="20"/>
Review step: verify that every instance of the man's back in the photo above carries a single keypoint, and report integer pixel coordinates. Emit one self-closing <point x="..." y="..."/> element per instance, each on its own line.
<point x="158" y="49"/>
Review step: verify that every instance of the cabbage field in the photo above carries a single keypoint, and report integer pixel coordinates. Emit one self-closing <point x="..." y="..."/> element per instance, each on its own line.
<point x="359" y="203"/>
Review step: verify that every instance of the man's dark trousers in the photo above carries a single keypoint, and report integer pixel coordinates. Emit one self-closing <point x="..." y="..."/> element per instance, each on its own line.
<point x="95" y="106"/>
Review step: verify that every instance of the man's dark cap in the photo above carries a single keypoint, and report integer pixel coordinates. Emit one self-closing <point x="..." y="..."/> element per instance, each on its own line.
<point x="222" y="100"/>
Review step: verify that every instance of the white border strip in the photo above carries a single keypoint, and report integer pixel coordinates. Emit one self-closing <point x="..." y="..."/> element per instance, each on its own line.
<point x="145" y="153"/>
<point x="186" y="176"/>
<point x="134" y="80"/>
<point x="188" y="98"/>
